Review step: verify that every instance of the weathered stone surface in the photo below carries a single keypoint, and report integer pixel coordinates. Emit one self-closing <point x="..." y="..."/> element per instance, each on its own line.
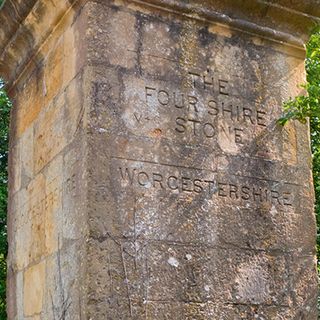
<point x="34" y="279"/>
<point x="148" y="176"/>
<point x="47" y="215"/>
<point x="196" y="197"/>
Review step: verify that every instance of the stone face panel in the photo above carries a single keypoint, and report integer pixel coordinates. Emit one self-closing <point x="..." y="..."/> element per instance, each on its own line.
<point x="149" y="178"/>
<point x="46" y="220"/>
<point x="197" y="198"/>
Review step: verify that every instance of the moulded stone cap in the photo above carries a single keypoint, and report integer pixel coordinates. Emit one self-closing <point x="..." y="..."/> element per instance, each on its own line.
<point x="25" y="24"/>
<point x="311" y="7"/>
<point x="286" y="21"/>
<point x="12" y="14"/>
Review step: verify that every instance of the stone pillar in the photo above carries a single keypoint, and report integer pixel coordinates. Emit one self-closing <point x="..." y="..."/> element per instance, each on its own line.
<point x="148" y="177"/>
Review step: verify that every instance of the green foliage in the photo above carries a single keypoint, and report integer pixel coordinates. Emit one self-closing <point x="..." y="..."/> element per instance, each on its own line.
<point x="304" y="107"/>
<point x="5" y="106"/>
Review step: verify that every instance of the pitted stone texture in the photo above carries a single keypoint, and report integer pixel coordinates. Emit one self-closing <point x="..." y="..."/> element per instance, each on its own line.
<point x="148" y="176"/>
<point x="196" y="196"/>
<point x="46" y="221"/>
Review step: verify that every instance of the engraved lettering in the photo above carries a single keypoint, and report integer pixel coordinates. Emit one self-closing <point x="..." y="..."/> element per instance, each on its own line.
<point x="193" y="103"/>
<point x="174" y="185"/>
<point x="207" y="83"/>
<point x="213" y="109"/>
<point x="163" y="97"/>
<point x="223" y="87"/>
<point x="208" y="130"/>
<point x="257" y="193"/>
<point x="180" y="122"/>
<point x="233" y="191"/>
<point x="245" y="195"/>
<point x="221" y="190"/>
<point x="260" y="118"/>
<point x="186" y="184"/>
<point x="148" y="91"/>
<point x="157" y="177"/>
<point x="194" y="76"/>
<point x="194" y="122"/>
<point x="247" y="114"/>
<point x="138" y="118"/>
<point x="197" y="187"/>
<point x="287" y="198"/>
<point x="143" y="178"/>
<point x="227" y="110"/>
<point x="178" y="102"/>
<point x="238" y="135"/>
<point x="127" y="175"/>
<point x="275" y="195"/>
<point x="238" y="113"/>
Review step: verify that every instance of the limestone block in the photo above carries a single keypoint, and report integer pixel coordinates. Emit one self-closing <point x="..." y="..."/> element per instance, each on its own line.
<point x="112" y="32"/>
<point x="74" y="193"/>
<point x="149" y="178"/>
<point x="33" y="289"/>
<point x="53" y="205"/>
<point x="63" y="295"/>
<point x="26" y="149"/>
<point x="16" y="162"/>
<point x="19" y="295"/>
<point x="53" y="74"/>
<point x="57" y="125"/>
<point x="31" y="97"/>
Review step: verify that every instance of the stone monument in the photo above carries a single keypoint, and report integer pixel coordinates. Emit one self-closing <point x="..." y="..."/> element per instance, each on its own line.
<point x="148" y="176"/>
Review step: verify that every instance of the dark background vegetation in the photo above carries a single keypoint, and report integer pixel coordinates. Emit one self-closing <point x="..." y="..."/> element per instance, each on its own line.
<point x="5" y="106"/>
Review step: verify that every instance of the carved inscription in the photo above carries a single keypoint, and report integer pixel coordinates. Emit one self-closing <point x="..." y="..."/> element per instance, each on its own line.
<point x="207" y="81"/>
<point x="211" y="185"/>
<point x="200" y="106"/>
<point x="42" y="201"/>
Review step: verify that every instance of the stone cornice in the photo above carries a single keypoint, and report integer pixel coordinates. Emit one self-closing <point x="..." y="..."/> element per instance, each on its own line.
<point x="27" y="23"/>
<point x="25" y="26"/>
<point x="12" y="15"/>
<point x="286" y="21"/>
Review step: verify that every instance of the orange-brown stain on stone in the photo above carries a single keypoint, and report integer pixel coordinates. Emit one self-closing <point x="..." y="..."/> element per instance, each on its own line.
<point x="156" y="133"/>
<point x="29" y="101"/>
<point x="33" y="289"/>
